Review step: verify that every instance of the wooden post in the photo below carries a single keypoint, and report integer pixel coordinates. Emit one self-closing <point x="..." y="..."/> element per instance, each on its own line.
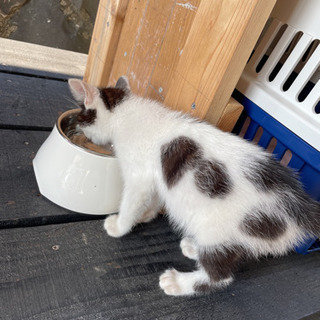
<point x="188" y="55"/>
<point x="219" y="44"/>
<point x="105" y="39"/>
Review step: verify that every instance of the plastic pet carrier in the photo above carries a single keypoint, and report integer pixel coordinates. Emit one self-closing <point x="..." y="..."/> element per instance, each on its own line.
<point x="280" y="91"/>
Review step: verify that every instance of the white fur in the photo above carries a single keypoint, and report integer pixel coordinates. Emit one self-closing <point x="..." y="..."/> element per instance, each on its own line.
<point x="189" y="248"/>
<point x="178" y="283"/>
<point x="138" y="128"/>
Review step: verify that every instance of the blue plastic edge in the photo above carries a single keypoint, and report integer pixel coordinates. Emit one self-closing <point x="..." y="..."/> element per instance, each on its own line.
<point x="291" y="141"/>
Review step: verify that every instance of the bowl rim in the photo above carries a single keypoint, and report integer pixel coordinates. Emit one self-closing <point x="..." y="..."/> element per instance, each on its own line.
<point x="59" y="129"/>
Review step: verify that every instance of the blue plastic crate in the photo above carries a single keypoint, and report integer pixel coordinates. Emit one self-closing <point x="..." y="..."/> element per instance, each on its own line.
<point x="305" y="159"/>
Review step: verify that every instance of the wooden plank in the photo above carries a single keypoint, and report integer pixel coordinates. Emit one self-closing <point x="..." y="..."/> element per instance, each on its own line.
<point x="128" y="39"/>
<point x="22" y="57"/>
<point x="75" y="271"/>
<point x="219" y="43"/>
<point x="152" y="32"/>
<point x="143" y="33"/>
<point x="29" y="101"/>
<point x="172" y="47"/>
<point x="105" y="40"/>
<point x="20" y="201"/>
<point x="256" y="19"/>
<point x="230" y="115"/>
<point x="188" y="54"/>
<point x="152" y="36"/>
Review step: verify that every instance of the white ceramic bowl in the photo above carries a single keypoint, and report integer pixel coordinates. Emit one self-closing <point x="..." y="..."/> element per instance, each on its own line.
<point x="77" y="178"/>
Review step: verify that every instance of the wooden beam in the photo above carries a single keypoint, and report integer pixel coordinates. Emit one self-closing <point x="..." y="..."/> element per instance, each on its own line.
<point x="34" y="59"/>
<point x="105" y="38"/>
<point x="250" y="30"/>
<point x="188" y="55"/>
<point x="230" y="115"/>
<point x="128" y="41"/>
<point x="172" y="48"/>
<point x="219" y="43"/>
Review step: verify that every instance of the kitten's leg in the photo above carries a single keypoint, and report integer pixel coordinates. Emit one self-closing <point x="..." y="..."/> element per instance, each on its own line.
<point x="177" y="283"/>
<point x="153" y="211"/>
<point x="135" y="202"/>
<point x="189" y="248"/>
<point x="216" y="269"/>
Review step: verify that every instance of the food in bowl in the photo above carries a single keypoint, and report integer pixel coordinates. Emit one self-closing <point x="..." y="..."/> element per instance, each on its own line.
<point x="68" y="127"/>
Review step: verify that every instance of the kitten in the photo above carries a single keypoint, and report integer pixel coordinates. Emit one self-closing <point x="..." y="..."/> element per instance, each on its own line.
<point x="230" y="199"/>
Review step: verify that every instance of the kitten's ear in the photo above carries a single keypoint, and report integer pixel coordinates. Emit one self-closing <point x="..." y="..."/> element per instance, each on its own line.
<point x="82" y="91"/>
<point x="123" y="83"/>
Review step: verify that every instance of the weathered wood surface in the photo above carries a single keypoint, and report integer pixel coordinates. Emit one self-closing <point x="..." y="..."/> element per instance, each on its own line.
<point x="188" y="54"/>
<point x="105" y="38"/>
<point x="75" y="271"/>
<point x="32" y="102"/>
<point x="33" y="59"/>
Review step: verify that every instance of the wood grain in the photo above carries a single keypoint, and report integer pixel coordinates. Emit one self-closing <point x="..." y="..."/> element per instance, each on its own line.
<point x="152" y="33"/>
<point x="212" y="54"/>
<point x="32" y="102"/>
<point x="241" y="40"/>
<point x="105" y="38"/>
<point x="188" y="55"/>
<point x="75" y="271"/>
<point x="230" y="115"/>
<point x="144" y="31"/>
<point x="36" y="60"/>
<point x="128" y="39"/>
<point x="173" y="46"/>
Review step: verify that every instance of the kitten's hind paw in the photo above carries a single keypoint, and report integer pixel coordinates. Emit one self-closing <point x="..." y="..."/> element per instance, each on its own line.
<point x="177" y="283"/>
<point x="112" y="228"/>
<point x="168" y="282"/>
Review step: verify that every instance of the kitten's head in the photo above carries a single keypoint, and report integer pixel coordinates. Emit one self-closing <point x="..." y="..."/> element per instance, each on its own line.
<point x="97" y="106"/>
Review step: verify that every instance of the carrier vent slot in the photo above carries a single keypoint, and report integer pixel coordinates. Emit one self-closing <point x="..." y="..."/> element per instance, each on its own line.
<point x="273" y="44"/>
<point x="245" y="127"/>
<point x="272" y="145"/>
<point x="285" y="55"/>
<point x="317" y="108"/>
<point x="265" y="28"/>
<point x="258" y="135"/>
<point x="292" y="77"/>
<point x="305" y="91"/>
<point x="286" y="158"/>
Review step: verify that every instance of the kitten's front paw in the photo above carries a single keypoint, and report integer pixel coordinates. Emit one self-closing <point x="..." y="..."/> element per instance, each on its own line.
<point x="111" y="226"/>
<point x="188" y="248"/>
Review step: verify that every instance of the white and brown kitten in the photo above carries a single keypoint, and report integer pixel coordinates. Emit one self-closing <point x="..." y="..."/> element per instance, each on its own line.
<point x="230" y="199"/>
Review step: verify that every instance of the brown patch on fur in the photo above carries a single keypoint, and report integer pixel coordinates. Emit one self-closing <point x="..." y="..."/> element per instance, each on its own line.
<point x="212" y="179"/>
<point x="177" y="157"/>
<point x="87" y="117"/>
<point x="263" y="226"/>
<point x="220" y="264"/>
<point x="202" y="287"/>
<point x="112" y="97"/>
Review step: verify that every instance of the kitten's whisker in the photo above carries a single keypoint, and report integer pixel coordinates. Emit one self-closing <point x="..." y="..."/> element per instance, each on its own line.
<point x="71" y="101"/>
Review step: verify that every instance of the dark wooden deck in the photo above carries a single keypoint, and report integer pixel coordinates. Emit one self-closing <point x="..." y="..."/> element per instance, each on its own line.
<point x="57" y="264"/>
